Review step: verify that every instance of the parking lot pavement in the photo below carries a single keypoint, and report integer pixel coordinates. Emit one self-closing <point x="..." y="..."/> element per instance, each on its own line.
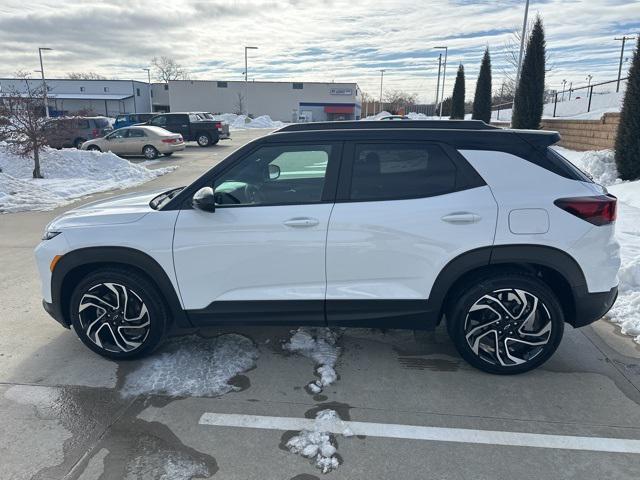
<point x="68" y="413"/>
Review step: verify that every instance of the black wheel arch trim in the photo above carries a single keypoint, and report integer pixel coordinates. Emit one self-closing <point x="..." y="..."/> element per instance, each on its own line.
<point x="125" y="256"/>
<point x="519" y="254"/>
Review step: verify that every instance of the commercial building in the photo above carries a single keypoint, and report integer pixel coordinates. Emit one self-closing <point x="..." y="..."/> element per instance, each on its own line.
<point x="97" y="97"/>
<point x="284" y="101"/>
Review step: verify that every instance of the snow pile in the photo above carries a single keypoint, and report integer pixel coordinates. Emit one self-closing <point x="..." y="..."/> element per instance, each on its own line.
<point x="68" y="174"/>
<point x="194" y="366"/>
<point x="318" y="443"/>
<point x="318" y="344"/>
<point x="242" y="122"/>
<point x="600" y="164"/>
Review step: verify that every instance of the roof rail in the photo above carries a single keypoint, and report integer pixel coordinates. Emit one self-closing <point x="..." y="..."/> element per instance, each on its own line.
<point x="402" y="124"/>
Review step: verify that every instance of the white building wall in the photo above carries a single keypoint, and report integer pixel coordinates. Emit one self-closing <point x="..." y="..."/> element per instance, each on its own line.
<point x="279" y="100"/>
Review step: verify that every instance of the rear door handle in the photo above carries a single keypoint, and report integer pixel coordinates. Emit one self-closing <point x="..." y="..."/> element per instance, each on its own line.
<point x="301" y="222"/>
<point x="461" y="217"/>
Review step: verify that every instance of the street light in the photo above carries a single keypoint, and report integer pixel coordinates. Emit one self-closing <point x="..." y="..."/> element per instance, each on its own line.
<point x="44" y="83"/>
<point x="148" y="70"/>
<point x="588" y="78"/>
<point x="522" y="36"/>
<point x="624" y="40"/>
<point x="564" y="83"/>
<point x="438" y="85"/>
<point x="246" y="79"/>
<point x="381" y="78"/>
<point x="444" y="73"/>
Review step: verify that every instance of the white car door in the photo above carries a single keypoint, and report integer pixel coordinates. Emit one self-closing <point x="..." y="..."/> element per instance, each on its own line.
<point x="260" y="256"/>
<point x="403" y="211"/>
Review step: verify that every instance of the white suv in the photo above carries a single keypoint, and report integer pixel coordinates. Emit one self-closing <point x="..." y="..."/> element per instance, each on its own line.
<point x="376" y="224"/>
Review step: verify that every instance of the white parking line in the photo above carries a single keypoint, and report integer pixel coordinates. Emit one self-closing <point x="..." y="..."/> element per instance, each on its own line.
<point x="439" y="434"/>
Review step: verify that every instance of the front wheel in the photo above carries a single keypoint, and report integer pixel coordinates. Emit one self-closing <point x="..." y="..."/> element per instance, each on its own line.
<point x="94" y="148"/>
<point x="118" y="313"/>
<point x="505" y="323"/>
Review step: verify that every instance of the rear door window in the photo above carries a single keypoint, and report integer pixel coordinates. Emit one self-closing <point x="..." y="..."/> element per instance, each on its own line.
<point x="159" y="121"/>
<point x="392" y="171"/>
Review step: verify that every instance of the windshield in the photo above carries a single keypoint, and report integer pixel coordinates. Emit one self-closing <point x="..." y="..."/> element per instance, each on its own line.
<point x="161" y="200"/>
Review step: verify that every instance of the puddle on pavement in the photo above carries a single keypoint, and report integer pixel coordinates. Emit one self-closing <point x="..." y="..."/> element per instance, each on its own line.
<point x="305" y="476"/>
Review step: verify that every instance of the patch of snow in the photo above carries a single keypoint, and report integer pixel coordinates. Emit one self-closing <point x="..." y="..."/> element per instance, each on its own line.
<point x="193" y="366"/>
<point x="68" y="175"/>
<point x="318" y="443"/>
<point x="599" y="164"/>
<point x="242" y="122"/>
<point x="319" y="345"/>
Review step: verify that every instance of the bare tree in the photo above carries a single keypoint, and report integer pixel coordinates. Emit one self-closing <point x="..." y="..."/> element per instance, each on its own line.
<point x="396" y="100"/>
<point x="166" y="69"/>
<point x="22" y="122"/>
<point x="85" y="76"/>
<point x="239" y="105"/>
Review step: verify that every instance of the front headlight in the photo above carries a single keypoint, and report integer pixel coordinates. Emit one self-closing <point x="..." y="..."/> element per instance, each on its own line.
<point x="49" y="234"/>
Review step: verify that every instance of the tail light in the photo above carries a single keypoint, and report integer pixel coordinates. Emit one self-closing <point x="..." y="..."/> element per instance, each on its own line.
<point x="172" y="140"/>
<point x="95" y="132"/>
<point x="600" y="210"/>
<point x="219" y="125"/>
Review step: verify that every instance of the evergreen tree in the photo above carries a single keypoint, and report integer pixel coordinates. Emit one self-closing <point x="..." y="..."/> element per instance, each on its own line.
<point x="457" y="98"/>
<point x="482" y="99"/>
<point x="628" y="139"/>
<point x="529" y="99"/>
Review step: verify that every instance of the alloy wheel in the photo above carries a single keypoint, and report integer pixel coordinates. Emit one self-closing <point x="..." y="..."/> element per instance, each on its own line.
<point x="150" y="153"/>
<point x="203" y="140"/>
<point x="114" y="317"/>
<point x="508" y="327"/>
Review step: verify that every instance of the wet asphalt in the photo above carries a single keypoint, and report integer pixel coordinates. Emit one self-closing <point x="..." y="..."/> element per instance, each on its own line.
<point x="66" y="413"/>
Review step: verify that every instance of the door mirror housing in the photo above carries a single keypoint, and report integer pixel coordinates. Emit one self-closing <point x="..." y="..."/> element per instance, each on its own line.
<point x="204" y="200"/>
<point x="274" y="171"/>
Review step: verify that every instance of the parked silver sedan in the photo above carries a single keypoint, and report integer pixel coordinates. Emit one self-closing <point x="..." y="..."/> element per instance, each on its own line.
<point x="142" y="140"/>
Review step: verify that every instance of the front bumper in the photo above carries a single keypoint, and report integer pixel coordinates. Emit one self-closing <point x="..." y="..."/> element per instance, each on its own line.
<point x="55" y="313"/>
<point x="592" y="306"/>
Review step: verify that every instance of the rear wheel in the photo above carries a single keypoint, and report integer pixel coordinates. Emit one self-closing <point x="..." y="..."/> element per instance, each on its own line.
<point x="77" y="143"/>
<point x="118" y="313"/>
<point x="506" y="323"/>
<point x="203" y="139"/>
<point x="150" y="152"/>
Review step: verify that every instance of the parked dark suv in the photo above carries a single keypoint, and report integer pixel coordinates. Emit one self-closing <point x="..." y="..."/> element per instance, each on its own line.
<point x="193" y="127"/>
<point x="74" y="131"/>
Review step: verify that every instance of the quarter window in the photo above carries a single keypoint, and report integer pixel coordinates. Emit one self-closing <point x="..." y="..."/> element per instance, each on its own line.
<point x="276" y="175"/>
<point x="396" y="171"/>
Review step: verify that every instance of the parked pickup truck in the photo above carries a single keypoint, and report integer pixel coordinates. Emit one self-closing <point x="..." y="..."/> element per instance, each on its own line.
<point x="192" y="127"/>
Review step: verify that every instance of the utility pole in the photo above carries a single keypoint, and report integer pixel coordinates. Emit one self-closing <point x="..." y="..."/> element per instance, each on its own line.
<point x="435" y="105"/>
<point x="149" y="83"/>
<point x="381" y="79"/>
<point x="44" y="83"/>
<point x="624" y="40"/>
<point x="246" y="79"/>
<point x="522" y="39"/>
<point x="444" y="73"/>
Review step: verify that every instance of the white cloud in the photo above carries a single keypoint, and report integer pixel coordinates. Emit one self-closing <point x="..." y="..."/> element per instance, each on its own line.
<point x="302" y="40"/>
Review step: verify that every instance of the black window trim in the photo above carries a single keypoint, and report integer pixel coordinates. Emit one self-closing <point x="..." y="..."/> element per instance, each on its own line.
<point x="328" y="190"/>
<point x="466" y="176"/>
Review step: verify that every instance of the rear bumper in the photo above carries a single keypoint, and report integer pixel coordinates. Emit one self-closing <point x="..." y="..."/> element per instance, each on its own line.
<point x="55" y="313"/>
<point x="592" y="306"/>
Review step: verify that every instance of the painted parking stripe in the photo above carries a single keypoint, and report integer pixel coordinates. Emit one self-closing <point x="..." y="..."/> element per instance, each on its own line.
<point x="439" y="434"/>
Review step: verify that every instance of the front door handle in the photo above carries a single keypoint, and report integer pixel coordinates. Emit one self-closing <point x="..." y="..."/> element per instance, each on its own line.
<point x="301" y="222"/>
<point x="461" y="217"/>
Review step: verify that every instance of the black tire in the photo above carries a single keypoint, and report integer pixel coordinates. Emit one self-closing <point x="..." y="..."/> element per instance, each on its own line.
<point x="150" y="152"/>
<point x="94" y="148"/>
<point x="512" y="341"/>
<point x="168" y="154"/>
<point x="215" y="140"/>
<point x="77" y="143"/>
<point x="93" y="298"/>
<point x="203" y="139"/>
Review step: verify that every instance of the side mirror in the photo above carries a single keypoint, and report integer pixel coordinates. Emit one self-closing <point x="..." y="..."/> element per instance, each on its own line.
<point x="204" y="200"/>
<point x="274" y="171"/>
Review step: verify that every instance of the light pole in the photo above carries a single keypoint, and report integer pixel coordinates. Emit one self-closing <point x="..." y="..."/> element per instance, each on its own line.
<point x="246" y="79"/>
<point x="148" y="70"/>
<point x="435" y="105"/>
<point x="44" y="83"/>
<point x="588" y="78"/>
<point x="624" y="39"/>
<point x="444" y="73"/>
<point x="564" y="83"/>
<point x="381" y="79"/>
<point x="522" y="37"/>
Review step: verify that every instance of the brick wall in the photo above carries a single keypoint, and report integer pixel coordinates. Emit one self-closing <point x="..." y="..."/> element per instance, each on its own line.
<point x="583" y="134"/>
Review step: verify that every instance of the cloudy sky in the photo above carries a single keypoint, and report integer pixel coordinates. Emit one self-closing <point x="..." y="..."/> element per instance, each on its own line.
<point x="305" y="40"/>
